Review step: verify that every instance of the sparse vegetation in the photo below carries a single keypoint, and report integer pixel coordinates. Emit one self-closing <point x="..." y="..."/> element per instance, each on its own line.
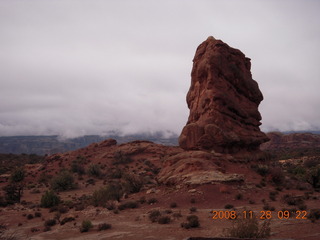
<point x="104" y="226"/>
<point x="152" y="201"/>
<point x="50" y="222"/>
<point x="154" y="215"/>
<point x="86" y="226"/>
<point x="49" y="199"/>
<point x="164" y="220"/>
<point x="94" y="170"/>
<point x="248" y="228"/>
<point x="63" y="181"/>
<point x="106" y="193"/>
<point x="228" y="206"/>
<point x="192" y="222"/>
<point x="121" y="158"/>
<point x="173" y="205"/>
<point x="130" y="204"/>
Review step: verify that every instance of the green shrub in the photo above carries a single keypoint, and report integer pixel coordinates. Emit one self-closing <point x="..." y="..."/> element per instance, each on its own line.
<point x="94" y="170"/>
<point x="248" y="228"/>
<point x="49" y="199"/>
<point x="86" y="226"/>
<point x="63" y="181"/>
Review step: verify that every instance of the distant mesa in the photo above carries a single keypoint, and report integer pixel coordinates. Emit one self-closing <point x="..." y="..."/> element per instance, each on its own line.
<point x="223" y="100"/>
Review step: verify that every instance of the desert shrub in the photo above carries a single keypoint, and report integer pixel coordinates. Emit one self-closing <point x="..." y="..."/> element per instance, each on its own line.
<point x="3" y="202"/>
<point x="273" y="195"/>
<point x="49" y="199"/>
<point x="261" y="169"/>
<point x="66" y="219"/>
<point x="239" y="196"/>
<point x="17" y="175"/>
<point x="173" y="205"/>
<point x="106" y="193"/>
<point x="104" y="226"/>
<point x="117" y="173"/>
<point x="164" y="220"/>
<point x="142" y="200"/>
<point x="13" y="193"/>
<point x="154" y="215"/>
<point x="63" y="209"/>
<point x="152" y="200"/>
<point x="277" y="176"/>
<point x="193" y="209"/>
<point x="192" y="200"/>
<point x="248" y="228"/>
<point x="311" y="162"/>
<point x="131" y="204"/>
<point x="77" y="167"/>
<point x="313" y="177"/>
<point x="132" y="183"/>
<point x="177" y="215"/>
<point x="63" y="181"/>
<point x="50" y="222"/>
<point x="30" y="216"/>
<point x="192" y="222"/>
<point x="121" y="158"/>
<point x="94" y="170"/>
<point x="37" y="214"/>
<point x="228" y="206"/>
<point x="292" y="200"/>
<point x="314" y="214"/>
<point x="86" y="226"/>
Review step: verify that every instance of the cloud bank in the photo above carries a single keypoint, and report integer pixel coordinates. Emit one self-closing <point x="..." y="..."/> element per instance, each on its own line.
<point x="88" y="67"/>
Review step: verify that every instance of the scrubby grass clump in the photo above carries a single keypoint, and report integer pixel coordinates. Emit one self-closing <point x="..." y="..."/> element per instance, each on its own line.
<point x="248" y="228"/>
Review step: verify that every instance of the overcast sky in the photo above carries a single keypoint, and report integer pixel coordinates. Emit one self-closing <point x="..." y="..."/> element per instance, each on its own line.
<point x="87" y="66"/>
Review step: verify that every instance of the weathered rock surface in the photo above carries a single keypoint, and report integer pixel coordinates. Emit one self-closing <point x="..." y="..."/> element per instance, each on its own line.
<point x="194" y="167"/>
<point x="223" y="100"/>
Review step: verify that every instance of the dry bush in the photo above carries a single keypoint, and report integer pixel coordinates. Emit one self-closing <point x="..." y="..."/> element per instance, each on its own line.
<point x="248" y="228"/>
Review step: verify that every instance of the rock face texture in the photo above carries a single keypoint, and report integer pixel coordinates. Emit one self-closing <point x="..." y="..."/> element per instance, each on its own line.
<point x="223" y="100"/>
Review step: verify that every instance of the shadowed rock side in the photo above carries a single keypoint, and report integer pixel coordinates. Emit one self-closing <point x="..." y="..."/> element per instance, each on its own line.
<point x="223" y="100"/>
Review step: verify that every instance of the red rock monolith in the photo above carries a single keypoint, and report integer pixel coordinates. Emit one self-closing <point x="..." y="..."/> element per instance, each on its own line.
<point x="223" y="100"/>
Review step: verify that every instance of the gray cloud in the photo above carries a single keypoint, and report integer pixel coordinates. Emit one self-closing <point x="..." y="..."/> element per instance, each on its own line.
<point x="88" y="67"/>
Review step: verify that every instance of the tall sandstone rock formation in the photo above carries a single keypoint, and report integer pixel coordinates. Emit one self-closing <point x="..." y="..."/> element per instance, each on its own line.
<point x="223" y="100"/>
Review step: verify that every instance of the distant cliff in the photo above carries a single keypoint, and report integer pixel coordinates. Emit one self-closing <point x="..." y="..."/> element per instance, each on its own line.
<point x="42" y="145"/>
